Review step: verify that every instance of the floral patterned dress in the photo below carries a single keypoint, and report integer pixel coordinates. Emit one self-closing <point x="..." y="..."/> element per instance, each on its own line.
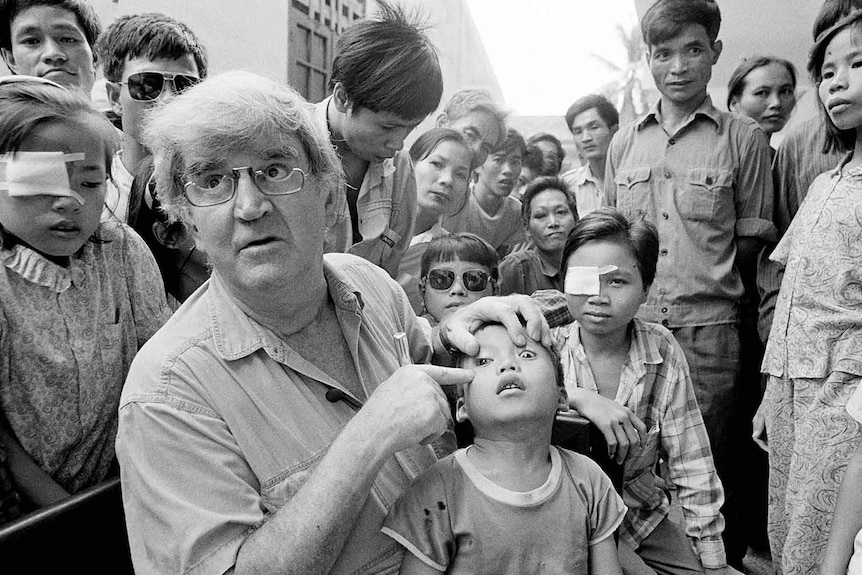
<point x="814" y="360"/>
<point x="67" y="338"/>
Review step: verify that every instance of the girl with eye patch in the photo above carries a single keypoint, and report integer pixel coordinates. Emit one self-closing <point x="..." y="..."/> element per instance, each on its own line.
<point x="457" y="269"/>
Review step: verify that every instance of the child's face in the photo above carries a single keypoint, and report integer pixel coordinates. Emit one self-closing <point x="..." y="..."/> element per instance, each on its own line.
<point x="682" y="66"/>
<point x="621" y="291"/>
<point x="442" y="177"/>
<point x="441" y="302"/>
<point x="499" y="174"/>
<point x="841" y="87"/>
<point x="512" y="383"/>
<point x="59" y="225"/>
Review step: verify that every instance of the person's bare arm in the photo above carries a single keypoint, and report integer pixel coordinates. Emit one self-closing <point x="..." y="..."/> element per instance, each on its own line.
<point x="30" y="479"/>
<point x="604" y="559"/>
<point x="621" y="428"/>
<point x="847" y="520"/>
<point x="308" y="534"/>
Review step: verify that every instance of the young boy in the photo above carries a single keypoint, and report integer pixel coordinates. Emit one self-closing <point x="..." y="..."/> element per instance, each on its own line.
<point x="385" y="80"/>
<point x="617" y="366"/>
<point x="509" y="503"/>
<point x="147" y="59"/>
<point x="491" y="212"/>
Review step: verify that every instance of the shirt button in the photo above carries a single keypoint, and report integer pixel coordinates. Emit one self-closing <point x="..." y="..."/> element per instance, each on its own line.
<point x="665" y="323"/>
<point x="665" y="215"/>
<point x="671" y="141"/>
<point x="664" y="310"/>
<point x="709" y="180"/>
<point x="662" y="291"/>
<point x="663" y="251"/>
<point x="667" y="175"/>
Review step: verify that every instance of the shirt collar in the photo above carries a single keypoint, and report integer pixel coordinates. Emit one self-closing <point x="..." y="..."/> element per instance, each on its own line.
<point x="706" y="109"/>
<point x="39" y="270"/>
<point x="236" y="335"/>
<point x="583" y="175"/>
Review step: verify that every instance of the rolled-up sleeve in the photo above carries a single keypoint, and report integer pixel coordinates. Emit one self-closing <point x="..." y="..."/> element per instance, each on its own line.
<point x="753" y="195"/>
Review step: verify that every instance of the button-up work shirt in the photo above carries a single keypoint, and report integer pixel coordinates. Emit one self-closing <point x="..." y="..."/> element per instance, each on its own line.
<point x="656" y="386"/>
<point x="221" y="423"/>
<point x="703" y="187"/>
<point x="588" y="195"/>
<point x="386" y="209"/>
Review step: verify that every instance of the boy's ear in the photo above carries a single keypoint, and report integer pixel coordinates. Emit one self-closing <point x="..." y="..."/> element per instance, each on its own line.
<point x="340" y="98"/>
<point x="113" y="91"/>
<point x="717" y="46"/>
<point x="461" y="411"/>
<point x="9" y="59"/>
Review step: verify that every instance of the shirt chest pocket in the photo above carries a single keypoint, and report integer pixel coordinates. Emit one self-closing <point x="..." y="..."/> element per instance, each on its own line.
<point x="709" y="195"/>
<point x="633" y="190"/>
<point x="278" y="490"/>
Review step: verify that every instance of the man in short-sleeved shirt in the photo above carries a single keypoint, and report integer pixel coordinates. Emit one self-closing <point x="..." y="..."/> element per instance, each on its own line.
<point x="703" y="178"/>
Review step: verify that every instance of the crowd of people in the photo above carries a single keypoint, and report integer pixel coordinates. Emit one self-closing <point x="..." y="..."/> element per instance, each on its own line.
<point x="304" y="348"/>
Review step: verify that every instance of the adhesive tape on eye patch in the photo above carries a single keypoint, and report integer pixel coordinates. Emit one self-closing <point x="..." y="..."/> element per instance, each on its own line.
<point x="585" y="280"/>
<point x="38" y="174"/>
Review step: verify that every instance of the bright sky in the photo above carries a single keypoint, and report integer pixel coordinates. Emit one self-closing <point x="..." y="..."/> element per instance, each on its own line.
<point x="542" y="50"/>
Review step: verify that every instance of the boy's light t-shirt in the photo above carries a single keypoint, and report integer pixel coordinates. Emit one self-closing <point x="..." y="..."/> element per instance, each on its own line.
<point x="457" y="521"/>
<point x="854" y="408"/>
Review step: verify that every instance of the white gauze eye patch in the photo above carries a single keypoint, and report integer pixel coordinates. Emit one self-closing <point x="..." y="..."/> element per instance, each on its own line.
<point x="38" y="174"/>
<point x="585" y="280"/>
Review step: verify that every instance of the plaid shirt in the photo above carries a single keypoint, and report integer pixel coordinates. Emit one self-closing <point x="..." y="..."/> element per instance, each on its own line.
<point x="655" y="385"/>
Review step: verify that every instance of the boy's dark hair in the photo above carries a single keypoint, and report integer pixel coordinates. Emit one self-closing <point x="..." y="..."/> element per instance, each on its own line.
<point x="83" y="11"/>
<point x="606" y="111"/>
<point x="152" y="36"/>
<point x="831" y="11"/>
<point x="836" y="140"/>
<point x="460" y="357"/>
<point x="513" y="142"/>
<point x="736" y="84"/>
<point x="462" y="246"/>
<point x="638" y="234"/>
<point x="389" y="64"/>
<point x="533" y="158"/>
<point x="666" y="19"/>
<point x="554" y="141"/>
<point x="541" y="184"/>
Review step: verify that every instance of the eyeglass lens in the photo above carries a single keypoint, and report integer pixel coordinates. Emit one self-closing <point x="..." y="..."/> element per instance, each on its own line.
<point x="146" y="86"/>
<point x="473" y="280"/>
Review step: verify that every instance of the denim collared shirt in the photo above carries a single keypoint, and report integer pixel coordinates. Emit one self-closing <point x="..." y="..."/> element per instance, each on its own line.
<point x="221" y="423"/>
<point x="703" y="187"/>
<point x="386" y="209"/>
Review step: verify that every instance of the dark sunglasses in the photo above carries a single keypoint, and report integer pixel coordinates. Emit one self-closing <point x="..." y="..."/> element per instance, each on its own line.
<point x="473" y="280"/>
<point x="147" y="86"/>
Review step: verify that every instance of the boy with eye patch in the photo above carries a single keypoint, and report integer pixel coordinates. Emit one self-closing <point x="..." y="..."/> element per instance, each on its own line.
<point x="618" y="368"/>
<point x="510" y="502"/>
<point x="147" y="59"/>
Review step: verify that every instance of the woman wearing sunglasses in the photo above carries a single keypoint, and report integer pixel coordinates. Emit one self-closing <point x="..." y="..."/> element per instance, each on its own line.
<point x="457" y="269"/>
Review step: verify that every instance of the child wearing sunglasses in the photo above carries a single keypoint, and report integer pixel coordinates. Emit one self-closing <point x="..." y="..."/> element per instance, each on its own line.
<point x="77" y="297"/>
<point x="146" y="58"/>
<point x="510" y="502"/>
<point x="456" y="269"/>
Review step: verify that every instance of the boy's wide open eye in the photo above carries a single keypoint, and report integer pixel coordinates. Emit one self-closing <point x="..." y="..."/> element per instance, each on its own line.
<point x="527" y="354"/>
<point x="480" y="361"/>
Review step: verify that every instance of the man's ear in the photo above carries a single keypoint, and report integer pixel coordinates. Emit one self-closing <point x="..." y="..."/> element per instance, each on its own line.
<point x="113" y="91"/>
<point x="442" y="120"/>
<point x="461" y="411"/>
<point x="716" y="51"/>
<point x="340" y="98"/>
<point x="9" y="58"/>
<point x="164" y="235"/>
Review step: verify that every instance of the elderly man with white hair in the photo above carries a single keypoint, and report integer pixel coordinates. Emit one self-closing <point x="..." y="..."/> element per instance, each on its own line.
<point x="268" y="426"/>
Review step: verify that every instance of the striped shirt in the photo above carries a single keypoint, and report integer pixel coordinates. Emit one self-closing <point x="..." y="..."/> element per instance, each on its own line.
<point x="656" y="386"/>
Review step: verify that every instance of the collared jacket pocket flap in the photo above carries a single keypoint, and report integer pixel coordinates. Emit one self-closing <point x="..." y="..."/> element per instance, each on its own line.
<point x="630" y="178"/>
